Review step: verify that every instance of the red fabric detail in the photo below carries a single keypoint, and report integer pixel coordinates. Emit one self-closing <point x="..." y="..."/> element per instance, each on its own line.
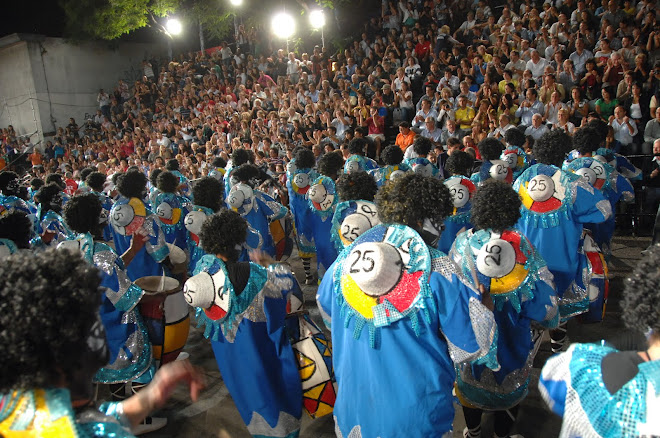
<point x="515" y="238"/>
<point x="404" y="292"/>
<point x="215" y="312"/>
<point x="546" y="206"/>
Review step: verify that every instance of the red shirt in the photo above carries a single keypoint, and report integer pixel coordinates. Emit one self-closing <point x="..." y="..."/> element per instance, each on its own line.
<point x="422" y="49"/>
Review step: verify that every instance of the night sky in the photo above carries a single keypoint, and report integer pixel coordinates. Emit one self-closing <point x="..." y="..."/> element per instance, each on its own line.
<point x="29" y="16"/>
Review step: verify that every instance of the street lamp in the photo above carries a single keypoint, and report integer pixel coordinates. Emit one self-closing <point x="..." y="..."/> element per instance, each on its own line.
<point x="283" y="26"/>
<point x="317" y="20"/>
<point x="173" y="26"/>
<point x="236" y="2"/>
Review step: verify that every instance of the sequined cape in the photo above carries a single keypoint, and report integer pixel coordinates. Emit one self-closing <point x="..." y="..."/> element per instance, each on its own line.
<point x="534" y="299"/>
<point x="47" y="413"/>
<point x="383" y="174"/>
<point x="381" y="389"/>
<point x="263" y="211"/>
<point x="556" y="232"/>
<point x="253" y="352"/>
<point x="173" y="228"/>
<point x="572" y="385"/>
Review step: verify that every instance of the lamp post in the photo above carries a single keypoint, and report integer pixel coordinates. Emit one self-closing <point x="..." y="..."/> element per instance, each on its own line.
<point x="283" y="26"/>
<point x="317" y="20"/>
<point x="236" y="4"/>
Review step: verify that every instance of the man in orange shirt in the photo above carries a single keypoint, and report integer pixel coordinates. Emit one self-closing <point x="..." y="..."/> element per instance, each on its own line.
<point x="36" y="158"/>
<point x="405" y="137"/>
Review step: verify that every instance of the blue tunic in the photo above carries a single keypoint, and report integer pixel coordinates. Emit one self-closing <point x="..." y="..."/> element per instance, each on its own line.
<point x="356" y="163"/>
<point x="461" y="190"/>
<point x="427" y="321"/>
<point x="298" y="182"/>
<point x="555" y="205"/>
<point x="384" y="174"/>
<point x="350" y="220"/>
<point x="423" y="166"/>
<point x="523" y="291"/>
<point x="322" y="198"/>
<point x="193" y="222"/>
<point x="250" y="343"/>
<point x="171" y="210"/>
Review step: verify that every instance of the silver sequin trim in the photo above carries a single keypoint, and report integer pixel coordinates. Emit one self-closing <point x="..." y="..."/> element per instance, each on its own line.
<point x="483" y="326"/>
<point x="255" y="311"/>
<point x="605" y="208"/>
<point x="286" y="424"/>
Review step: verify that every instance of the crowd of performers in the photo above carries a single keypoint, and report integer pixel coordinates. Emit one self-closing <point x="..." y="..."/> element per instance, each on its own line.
<point x="434" y="291"/>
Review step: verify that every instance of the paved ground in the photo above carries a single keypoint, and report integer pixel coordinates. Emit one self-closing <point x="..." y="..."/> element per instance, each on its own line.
<point x="216" y="416"/>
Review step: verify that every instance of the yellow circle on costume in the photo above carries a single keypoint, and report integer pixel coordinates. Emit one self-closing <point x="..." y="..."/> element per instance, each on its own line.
<point x="138" y="206"/>
<point x="509" y="282"/>
<point x="357" y="299"/>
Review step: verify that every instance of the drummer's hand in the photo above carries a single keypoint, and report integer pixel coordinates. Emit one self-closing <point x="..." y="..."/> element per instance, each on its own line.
<point x="161" y="388"/>
<point x="261" y="258"/>
<point x="140" y="237"/>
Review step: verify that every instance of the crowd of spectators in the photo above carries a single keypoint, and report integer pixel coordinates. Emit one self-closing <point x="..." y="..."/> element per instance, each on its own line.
<point x="438" y="68"/>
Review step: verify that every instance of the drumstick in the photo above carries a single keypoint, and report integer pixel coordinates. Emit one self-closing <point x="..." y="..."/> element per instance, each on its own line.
<point x="161" y="286"/>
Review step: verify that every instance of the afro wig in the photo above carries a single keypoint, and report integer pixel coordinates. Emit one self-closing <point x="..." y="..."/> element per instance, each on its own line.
<point x="356" y="186"/>
<point x="172" y="164"/>
<point x="208" y="192"/>
<point x="552" y="147"/>
<point x="241" y="156"/>
<point x="55" y="178"/>
<point x="411" y="199"/>
<point x="85" y="172"/>
<point x="357" y="146"/>
<point x="132" y="184"/>
<point x="305" y="158"/>
<point x="17" y="227"/>
<point x="57" y="295"/>
<point x="36" y="183"/>
<point x="392" y="155"/>
<point x="460" y="163"/>
<point x="8" y="179"/>
<point x="219" y="162"/>
<point x="82" y="214"/>
<point x="601" y="128"/>
<point x="153" y="177"/>
<point x="49" y="197"/>
<point x="514" y="137"/>
<point x="641" y="298"/>
<point x="586" y="140"/>
<point x="246" y="173"/>
<point x="331" y="163"/>
<point x="167" y="182"/>
<point x="495" y="206"/>
<point x="422" y="146"/>
<point x="223" y="233"/>
<point x="95" y="181"/>
<point x="490" y="148"/>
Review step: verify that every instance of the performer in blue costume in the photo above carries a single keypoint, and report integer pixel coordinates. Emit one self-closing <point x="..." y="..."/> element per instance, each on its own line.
<point x="603" y="177"/>
<point x="396" y="306"/>
<point x="51" y="229"/>
<point x="421" y="165"/>
<point x="35" y="185"/>
<point x="461" y="189"/>
<point x="15" y="197"/>
<point x="96" y="181"/>
<point x="514" y="155"/>
<point x="129" y="216"/>
<point x="602" y="392"/>
<point x="356" y="161"/>
<point x="126" y="333"/>
<point x="55" y="348"/>
<point x="184" y="185"/>
<point x="15" y="233"/>
<point x="555" y="205"/>
<point x="323" y="198"/>
<point x="238" y="158"/>
<point x="208" y="199"/>
<point x="394" y="167"/>
<point x="490" y="150"/>
<point x="171" y="208"/>
<point x="243" y="306"/>
<point x="153" y="187"/>
<point x="299" y="176"/>
<point x="498" y="258"/>
<point x="256" y="207"/>
<point x="357" y="212"/>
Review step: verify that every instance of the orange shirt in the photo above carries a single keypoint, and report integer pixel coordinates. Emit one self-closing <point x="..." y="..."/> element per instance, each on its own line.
<point x="403" y="141"/>
<point x="36" y="159"/>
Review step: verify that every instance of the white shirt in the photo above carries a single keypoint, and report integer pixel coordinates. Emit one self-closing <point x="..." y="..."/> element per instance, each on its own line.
<point x="621" y="131"/>
<point x="538" y="68"/>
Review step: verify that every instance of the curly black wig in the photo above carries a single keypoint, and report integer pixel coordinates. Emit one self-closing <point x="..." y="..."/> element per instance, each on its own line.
<point x="208" y="192"/>
<point x="55" y="178"/>
<point x="460" y="163"/>
<point x="223" y="233"/>
<point x="641" y="297"/>
<point x="490" y="148"/>
<point x="82" y="213"/>
<point x="50" y="302"/>
<point x="17" y="227"/>
<point x="495" y="205"/>
<point x="153" y="177"/>
<point x="552" y="147"/>
<point x="246" y="173"/>
<point x="601" y="128"/>
<point x="305" y="158"/>
<point x="219" y="162"/>
<point x="422" y="146"/>
<point x="49" y="197"/>
<point x="172" y="164"/>
<point x="586" y="140"/>
<point x="6" y="178"/>
<point x="331" y="163"/>
<point x="411" y="199"/>
<point x="132" y="184"/>
<point x="356" y="186"/>
<point x="85" y="172"/>
<point x="392" y="155"/>
<point x="95" y="181"/>
<point x="241" y="156"/>
<point x="36" y="183"/>
<point x="167" y="182"/>
<point x="357" y="146"/>
<point x="514" y="137"/>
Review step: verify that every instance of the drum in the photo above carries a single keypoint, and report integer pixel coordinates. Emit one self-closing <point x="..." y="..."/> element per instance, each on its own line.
<point x="178" y="259"/>
<point x="166" y="316"/>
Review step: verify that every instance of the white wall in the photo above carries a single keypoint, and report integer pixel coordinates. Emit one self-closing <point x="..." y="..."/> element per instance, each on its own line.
<point x="61" y="79"/>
